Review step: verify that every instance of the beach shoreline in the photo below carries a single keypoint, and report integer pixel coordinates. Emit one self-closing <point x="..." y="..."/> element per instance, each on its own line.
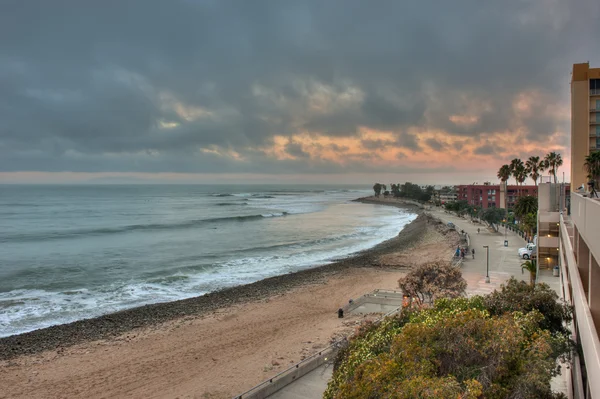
<point x="114" y="324"/>
<point x="217" y="345"/>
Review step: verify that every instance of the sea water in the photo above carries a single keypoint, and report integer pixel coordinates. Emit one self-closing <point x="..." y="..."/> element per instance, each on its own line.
<point x="74" y="252"/>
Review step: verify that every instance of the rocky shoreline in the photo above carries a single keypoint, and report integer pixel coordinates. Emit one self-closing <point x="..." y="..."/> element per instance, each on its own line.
<point x="115" y="324"/>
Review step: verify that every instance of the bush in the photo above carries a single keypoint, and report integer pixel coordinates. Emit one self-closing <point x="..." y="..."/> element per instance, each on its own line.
<point x="431" y="281"/>
<point x="519" y="296"/>
<point x="479" y="347"/>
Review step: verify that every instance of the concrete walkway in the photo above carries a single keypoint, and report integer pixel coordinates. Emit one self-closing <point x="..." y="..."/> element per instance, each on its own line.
<point x="504" y="262"/>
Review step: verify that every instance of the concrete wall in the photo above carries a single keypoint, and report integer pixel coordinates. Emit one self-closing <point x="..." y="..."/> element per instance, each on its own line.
<point x="548" y="242"/>
<point x="289" y="376"/>
<point x="549" y="217"/>
<point x="580" y="123"/>
<point x="585" y="213"/>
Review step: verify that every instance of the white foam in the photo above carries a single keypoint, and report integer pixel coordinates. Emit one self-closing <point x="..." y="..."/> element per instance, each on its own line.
<point x="27" y="310"/>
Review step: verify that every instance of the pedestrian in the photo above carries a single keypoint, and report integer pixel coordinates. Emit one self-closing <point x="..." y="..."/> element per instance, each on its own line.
<point x="462" y="253"/>
<point x="478" y="230"/>
<point x="473" y="253"/>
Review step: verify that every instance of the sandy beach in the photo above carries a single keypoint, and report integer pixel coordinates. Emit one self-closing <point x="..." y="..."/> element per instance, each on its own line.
<point x="217" y="345"/>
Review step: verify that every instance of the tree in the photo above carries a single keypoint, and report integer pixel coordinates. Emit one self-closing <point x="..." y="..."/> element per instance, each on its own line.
<point x="531" y="267"/>
<point x="529" y="223"/>
<point x="592" y="167"/>
<point x="492" y="216"/>
<point x="521" y="175"/>
<point x="525" y="205"/>
<point x="377" y="188"/>
<point x="504" y="173"/>
<point x="516" y="168"/>
<point x="431" y="281"/>
<point x="534" y="167"/>
<point x="553" y="161"/>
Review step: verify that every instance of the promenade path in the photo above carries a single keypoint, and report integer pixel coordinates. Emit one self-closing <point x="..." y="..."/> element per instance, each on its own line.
<point x="504" y="262"/>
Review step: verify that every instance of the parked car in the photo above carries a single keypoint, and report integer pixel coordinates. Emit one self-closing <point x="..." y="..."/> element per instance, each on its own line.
<point x="450" y="224"/>
<point x="527" y="251"/>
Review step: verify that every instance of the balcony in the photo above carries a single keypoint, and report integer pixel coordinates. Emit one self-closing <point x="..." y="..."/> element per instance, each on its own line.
<point x="585" y="213"/>
<point x="574" y="292"/>
<point x="594" y="92"/>
<point x="594" y="109"/>
<point x="596" y="122"/>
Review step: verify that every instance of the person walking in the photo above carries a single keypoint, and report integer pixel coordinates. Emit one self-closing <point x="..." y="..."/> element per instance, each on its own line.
<point x="478" y="230"/>
<point x="473" y="252"/>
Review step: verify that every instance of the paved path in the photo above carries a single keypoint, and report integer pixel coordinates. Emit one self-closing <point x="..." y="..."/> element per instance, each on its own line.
<point x="504" y="262"/>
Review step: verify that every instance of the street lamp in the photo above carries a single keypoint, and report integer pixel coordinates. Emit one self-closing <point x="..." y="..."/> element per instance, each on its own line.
<point x="487" y="264"/>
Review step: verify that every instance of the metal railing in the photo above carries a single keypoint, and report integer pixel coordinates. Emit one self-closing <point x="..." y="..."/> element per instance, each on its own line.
<point x="329" y="350"/>
<point x="594" y="92"/>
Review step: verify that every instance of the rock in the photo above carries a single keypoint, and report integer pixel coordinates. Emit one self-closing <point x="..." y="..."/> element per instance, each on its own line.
<point x="274" y="362"/>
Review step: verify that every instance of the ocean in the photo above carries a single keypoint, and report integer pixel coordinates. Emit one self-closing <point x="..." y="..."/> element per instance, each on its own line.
<point x="74" y="252"/>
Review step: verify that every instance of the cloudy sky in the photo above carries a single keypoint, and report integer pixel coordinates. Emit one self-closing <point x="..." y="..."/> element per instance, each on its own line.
<point x="284" y="91"/>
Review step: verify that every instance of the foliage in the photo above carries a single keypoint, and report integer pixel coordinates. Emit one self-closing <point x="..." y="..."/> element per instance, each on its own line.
<point x="503" y="345"/>
<point x="525" y="205"/>
<point x="553" y="161"/>
<point x="534" y="167"/>
<point x="460" y="207"/>
<point x="529" y="223"/>
<point x="492" y="216"/>
<point x="377" y="188"/>
<point x="531" y="267"/>
<point x="412" y="191"/>
<point x="519" y="296"/>
<point x="504" y="173"/>
<point x="431" y="281"/>
<point x="454" y="350"/>
<point x="370" y="341"/>
<point x="592" y="167"/>
<point x="517" y="168"/>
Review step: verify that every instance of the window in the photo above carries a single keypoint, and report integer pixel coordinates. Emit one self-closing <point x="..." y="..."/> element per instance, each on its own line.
<point x="595" y="86"/>
<point x="597" y="130"/>
<point x="597" y="105"/>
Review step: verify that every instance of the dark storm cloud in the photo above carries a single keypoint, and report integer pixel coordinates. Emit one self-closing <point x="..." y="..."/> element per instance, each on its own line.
<point x="148" y="85"/>
<point x="434" y="144"/>
<point x="408" y="141"/>
<point x="295" y="150"/>
<point x="486" y="149"/>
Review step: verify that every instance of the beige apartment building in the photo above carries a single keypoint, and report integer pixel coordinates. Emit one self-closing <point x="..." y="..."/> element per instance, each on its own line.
<point x="578" y="246"/>
<point x="585" y="119"/>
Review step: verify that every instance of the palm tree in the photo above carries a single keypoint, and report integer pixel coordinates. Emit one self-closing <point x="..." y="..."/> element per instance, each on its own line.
<point x="592" y="167"/>
<point x="533" y="167"/>
<point x="521" y="174"/>
<point x="529" y="223"/>
<point x="514" y="166"/>
<point x="525" y="205"/>
<point x="553" y="161"/>
<point x="531" y="267"/>
<point x="504" y="173"/>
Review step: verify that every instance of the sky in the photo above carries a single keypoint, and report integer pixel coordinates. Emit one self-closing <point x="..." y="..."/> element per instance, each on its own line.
<point x="339" y="91"/>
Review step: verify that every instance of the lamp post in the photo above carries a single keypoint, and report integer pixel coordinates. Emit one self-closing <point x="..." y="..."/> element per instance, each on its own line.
<point x="487" y="264"/>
